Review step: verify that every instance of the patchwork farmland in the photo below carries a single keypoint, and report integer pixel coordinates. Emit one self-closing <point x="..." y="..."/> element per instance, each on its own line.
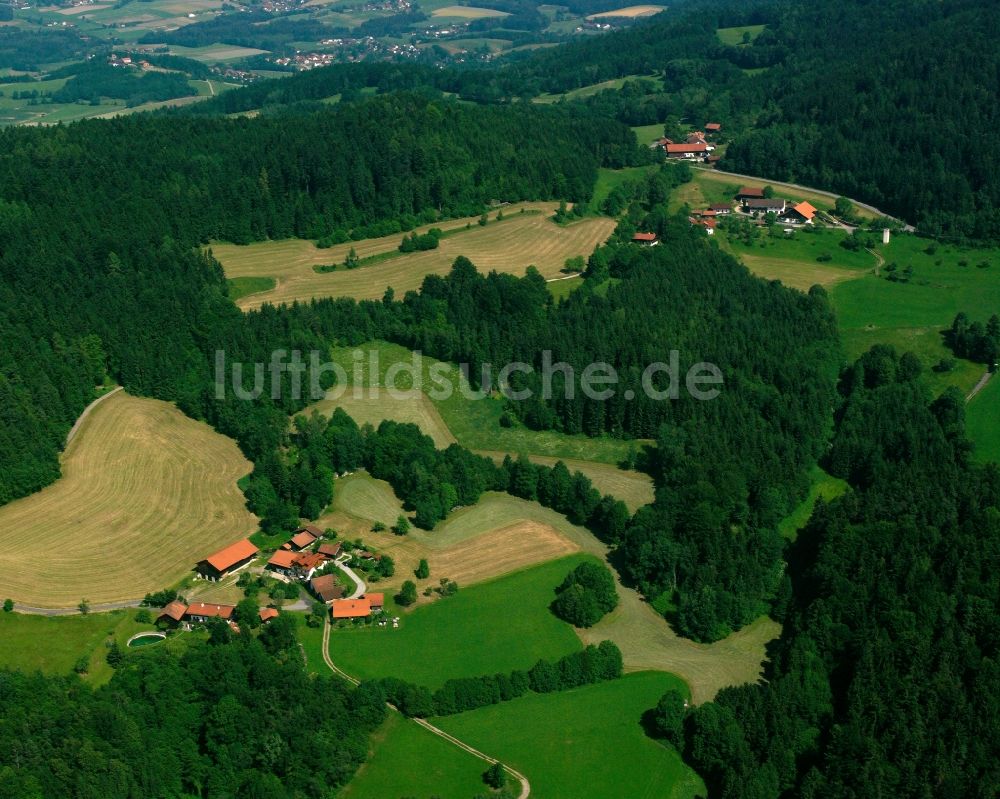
<point x="145" y="493"/>
<point x="511" y="246"/>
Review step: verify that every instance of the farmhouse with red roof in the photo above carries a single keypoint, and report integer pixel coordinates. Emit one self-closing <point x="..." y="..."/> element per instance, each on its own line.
<point x="228" y="560"/>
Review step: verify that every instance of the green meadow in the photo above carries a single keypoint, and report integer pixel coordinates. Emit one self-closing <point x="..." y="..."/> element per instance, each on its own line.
<point x="983" y="421"/>
<point x="913" y="315"/>
<point x="824" y="486"/>
<point x="409" y="761"/>
<point x="491" y="627"/>
<point x="474" y="423"/>
<point x="586" y="743"/>
<point x="240" y="287"/>
<point x="738" y="35"/>
<point x="610" y="179"/>
<point x="54" y="644"/>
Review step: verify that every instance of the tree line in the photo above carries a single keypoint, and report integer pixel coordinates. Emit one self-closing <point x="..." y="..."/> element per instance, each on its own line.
<point x="110" y="212"/>
<point x="591" y="665"/>
<point x="194" y="723"/>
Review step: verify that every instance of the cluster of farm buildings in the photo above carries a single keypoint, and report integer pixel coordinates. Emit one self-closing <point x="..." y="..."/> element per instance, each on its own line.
<point x="697" y="145"/>
<point x="750" y="202"/>
<point x="296" y="561"/>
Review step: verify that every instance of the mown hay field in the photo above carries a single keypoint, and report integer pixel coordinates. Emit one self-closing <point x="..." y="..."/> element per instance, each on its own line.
<point x="629" y="12"/>
<point x="467" y="12"/>
<point x="146" y="493"/>
<point x="511" y="245"/>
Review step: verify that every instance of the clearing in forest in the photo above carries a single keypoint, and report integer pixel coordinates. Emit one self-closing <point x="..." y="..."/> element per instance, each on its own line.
<point x="145" y="493"/>
<point x="467" y="12"/>
<point x="629" y="11"/>
<point x="473" y="423"/>
<point x="510" y="245"/>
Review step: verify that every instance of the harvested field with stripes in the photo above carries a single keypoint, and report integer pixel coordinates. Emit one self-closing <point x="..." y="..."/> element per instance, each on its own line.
<point x="146" y="493"/>
<point x="511" y="245"/>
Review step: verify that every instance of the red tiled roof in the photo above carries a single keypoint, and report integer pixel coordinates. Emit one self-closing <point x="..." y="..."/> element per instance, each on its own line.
<point x="350" y="608"/>
<point x="326" y="587"/>
<point x="209" y="610"/>
<point x="747" y="191"/>
<point x="175" y="610"/>
<point x="266" y="614"/>
<point x="687" y="148"/>
<point x="806" y="210"/>
<point x="231" y="555"/>
<point x="283" y="559"/>
<point x="644" y="237"/>
<point x="376" y="600"/>
<point x="713" y="126"/>
<point x="329" y="550"/>
<point x="309" y="560"/>
<point x="312" y="529"/>
<point x="303" y="539"/>
<point x="721" y="207"/>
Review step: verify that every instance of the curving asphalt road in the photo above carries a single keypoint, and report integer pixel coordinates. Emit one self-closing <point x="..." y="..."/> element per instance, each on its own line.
<point x="359" y="585"/>
<point x="830" y="194"/>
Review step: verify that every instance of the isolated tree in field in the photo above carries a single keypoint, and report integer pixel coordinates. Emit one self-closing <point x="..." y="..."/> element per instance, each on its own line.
<point x="407" y="594"/>
<point x="143" y="617"/>
<point x="402" y="526"/>
<point x="495" y="776"/>
<point x="8" y="605"/>
<point x="587" y="593"/>
<point x="352" y="261"/>
<point x="385" y="566"/>
<point x="423" y="570"/>
<point x="668" y="718"/>
<point x="82" y="665"/>
<point x="378" y="527"/>
<point x="484" y="220"/>
<point x="83" y="607"/>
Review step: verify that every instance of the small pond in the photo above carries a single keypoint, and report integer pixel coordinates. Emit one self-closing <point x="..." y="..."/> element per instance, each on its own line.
<point x="145" y="639"/>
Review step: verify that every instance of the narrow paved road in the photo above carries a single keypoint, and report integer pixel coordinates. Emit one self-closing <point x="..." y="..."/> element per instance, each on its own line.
<point x="830" y="194"/>
<point x="980" y="385"/>
<point x="879" y="259"/>
<point x="359" y="585"/>
<point x="86" y="412"/>
<point x="525" y="785"/>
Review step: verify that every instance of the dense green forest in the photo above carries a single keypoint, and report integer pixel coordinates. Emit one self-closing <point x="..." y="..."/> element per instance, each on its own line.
<point x="120" y="249"/>
<point x="101" y="80"/>
<point x="236" y="716"/>
<point x="885" y="679"/>
<point x="727" y="471"/>
<point x="889" y="103"/>
<point x="157" y="310"/>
